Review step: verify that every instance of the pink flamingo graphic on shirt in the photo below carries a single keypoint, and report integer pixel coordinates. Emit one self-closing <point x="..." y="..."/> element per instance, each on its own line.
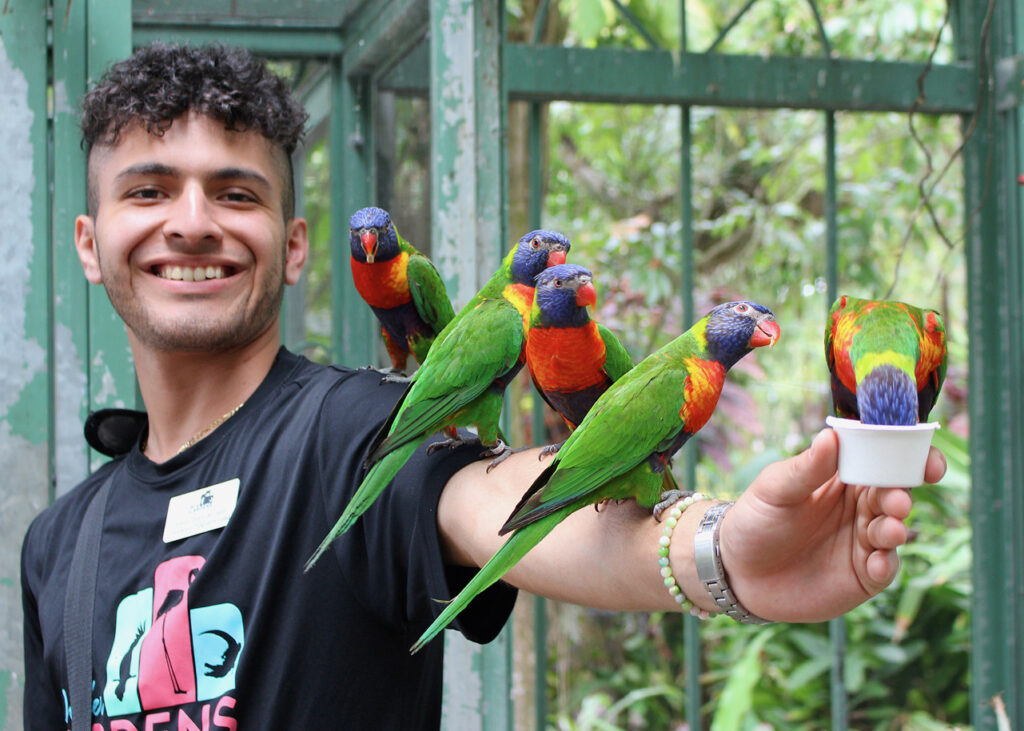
<point x="166" y="670"/>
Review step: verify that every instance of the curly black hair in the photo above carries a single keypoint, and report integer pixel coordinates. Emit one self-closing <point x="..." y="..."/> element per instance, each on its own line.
<point x="160" y="82"/>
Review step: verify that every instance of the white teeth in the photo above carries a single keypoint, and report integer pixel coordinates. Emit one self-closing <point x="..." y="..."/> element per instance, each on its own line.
<point x="191" y="274"/>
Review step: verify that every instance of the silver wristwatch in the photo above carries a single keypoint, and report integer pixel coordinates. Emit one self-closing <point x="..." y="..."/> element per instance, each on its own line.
<point x="707" y="554"/>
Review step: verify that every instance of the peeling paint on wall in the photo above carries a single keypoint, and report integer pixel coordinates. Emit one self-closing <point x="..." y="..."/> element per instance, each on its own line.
<point x="23" y="457"/>
<point x="71" y="460"/>
<point x="456" y="209"/>
<point x="21" y="358"/>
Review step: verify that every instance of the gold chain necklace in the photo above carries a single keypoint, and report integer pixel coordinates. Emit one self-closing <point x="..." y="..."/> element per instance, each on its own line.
<point x="209" y="428"/>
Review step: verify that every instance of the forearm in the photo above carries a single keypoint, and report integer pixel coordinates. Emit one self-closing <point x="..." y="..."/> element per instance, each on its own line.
<point x="605" y="558"/>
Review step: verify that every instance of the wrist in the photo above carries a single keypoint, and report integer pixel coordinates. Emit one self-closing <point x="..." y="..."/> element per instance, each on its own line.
<point x="710" y="566"/>
<point x="681" y="558"/>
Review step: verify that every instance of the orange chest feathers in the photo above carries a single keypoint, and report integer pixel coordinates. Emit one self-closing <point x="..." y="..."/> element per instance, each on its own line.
<point x="383" y="284"/>
<point x="703" y="387"/>
<point x="566" y="359"/>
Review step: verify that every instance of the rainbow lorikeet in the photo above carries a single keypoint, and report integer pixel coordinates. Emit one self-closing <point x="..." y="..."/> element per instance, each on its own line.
<point x="462" y="380"/>
<point x="887" y="360"/>
<point x="402" y="287"/>
<point x="628" y="436"/>
<point x="572" y="359"/>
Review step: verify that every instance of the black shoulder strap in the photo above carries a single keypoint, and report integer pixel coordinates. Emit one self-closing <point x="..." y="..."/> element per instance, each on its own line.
<point x="78" y="610"/>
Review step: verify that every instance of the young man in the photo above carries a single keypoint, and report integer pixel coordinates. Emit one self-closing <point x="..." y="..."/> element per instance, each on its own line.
<point x="191" y="231"/>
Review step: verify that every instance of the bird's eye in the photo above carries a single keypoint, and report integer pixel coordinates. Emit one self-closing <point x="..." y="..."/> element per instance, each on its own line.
<point x="535" y="243"/>
<point x="557" y="283"/>
<point x="742" y="309"/>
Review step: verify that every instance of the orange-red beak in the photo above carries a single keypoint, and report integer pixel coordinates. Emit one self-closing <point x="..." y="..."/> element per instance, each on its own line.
<point x="766" y="333"/>
<point x="586" y="295"/>
<point x="369" y="241"/>
<point x="556" y="257"/>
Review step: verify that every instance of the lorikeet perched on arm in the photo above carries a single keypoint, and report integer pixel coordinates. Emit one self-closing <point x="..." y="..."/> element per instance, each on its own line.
<point x="887" y="360"/>
<point x="572" y="359"/>
<point x="401" y="286"/>
<point x="462" y="380"/>
<point x="660" y="404"/>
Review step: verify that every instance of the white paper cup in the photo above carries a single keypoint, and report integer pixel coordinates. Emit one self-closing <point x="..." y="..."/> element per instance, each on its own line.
<point x="880" y="455"/>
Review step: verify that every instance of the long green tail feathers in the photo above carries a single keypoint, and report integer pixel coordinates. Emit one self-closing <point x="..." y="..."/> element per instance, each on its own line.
<point x="506" y="557"/>
<point x="371" y="487"/>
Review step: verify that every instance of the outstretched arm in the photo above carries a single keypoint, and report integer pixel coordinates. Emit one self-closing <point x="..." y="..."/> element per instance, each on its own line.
<point x="798" y="545"/>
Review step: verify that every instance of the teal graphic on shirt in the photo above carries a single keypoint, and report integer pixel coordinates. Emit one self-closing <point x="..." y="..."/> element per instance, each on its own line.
<point x="172" y="653"/>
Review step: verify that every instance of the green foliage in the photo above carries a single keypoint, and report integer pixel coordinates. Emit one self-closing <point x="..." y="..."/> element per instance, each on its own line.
<point x="759" y="204"/>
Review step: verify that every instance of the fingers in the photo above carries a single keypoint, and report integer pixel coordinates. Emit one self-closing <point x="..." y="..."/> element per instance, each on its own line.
<point x="890" y="501"/>
<point x="886" y="532"/>
<point x="882" y="567"/>
<point x="792" y="480"/>
<point x="935" y="467"/>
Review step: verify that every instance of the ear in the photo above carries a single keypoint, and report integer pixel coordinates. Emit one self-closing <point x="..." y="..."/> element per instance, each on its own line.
<point x="297" y="250"/>
<point x="85" y="244"/>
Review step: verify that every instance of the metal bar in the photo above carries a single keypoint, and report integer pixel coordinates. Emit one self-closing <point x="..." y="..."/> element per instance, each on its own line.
<point x="71" y="291"/>
<point x="691" y="628"/>
<point x="353" y="336"/>
<point x="615" y="75"/>
<point x="382" y="33"/>
<point x="633" y="21"/>
<point x="469" y="236"/>
<point x="995" y="276"/>
<point x="1009" y="82"/>
<point x="410" y="75"/>
<point x="729" y="26"/>
<point x="540" y="615"/>
<point x="293" y="306"/>
<point x="831" y="208"/>
<point x="269" y="41"/>
<point x="112" y="376"/>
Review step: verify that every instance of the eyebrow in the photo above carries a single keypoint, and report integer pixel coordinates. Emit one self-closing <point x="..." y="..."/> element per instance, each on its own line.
<point x="159" y="169"/>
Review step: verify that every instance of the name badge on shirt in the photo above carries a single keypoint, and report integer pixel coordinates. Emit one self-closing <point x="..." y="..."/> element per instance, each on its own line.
<point x="207" y="508"/>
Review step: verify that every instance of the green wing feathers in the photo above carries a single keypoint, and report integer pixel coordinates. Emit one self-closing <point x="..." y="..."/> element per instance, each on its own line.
<point x="429" y="295"/>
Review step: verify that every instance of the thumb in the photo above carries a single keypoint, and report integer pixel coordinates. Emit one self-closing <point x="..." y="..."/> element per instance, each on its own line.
<point x="792" y="480"/>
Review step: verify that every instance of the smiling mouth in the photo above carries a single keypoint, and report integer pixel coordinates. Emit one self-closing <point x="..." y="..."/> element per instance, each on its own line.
<point x="191" y="274"/>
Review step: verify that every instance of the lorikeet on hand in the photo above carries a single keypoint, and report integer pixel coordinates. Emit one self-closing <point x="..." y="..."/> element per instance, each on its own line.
<point x="462" y="380"/>
<point x="401" y="286"/>
<point x="887" y="360"/>
<point x="572" y="359"/>
<point x="628" y="436"/>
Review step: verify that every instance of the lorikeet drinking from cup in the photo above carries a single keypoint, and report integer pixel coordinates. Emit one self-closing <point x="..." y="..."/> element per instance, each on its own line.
<point x="887" y="360"/>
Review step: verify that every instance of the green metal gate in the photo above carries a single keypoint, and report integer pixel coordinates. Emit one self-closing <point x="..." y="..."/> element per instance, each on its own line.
<point x="69" y="353"/>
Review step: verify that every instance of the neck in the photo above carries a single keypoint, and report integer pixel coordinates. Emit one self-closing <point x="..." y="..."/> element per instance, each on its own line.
<point x="186" y="392"/>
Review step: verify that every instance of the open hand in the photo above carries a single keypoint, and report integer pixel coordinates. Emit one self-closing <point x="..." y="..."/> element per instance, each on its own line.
<point x="801" y="546"/>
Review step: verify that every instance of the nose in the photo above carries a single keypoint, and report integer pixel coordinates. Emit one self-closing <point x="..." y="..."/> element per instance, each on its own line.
<point x="190" y="217"/>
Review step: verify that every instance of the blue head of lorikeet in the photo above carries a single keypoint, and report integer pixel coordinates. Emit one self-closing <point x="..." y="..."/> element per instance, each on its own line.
<point x="563" y="293"/>
<point x="536" y="251"/>
<point x="371" y="235"/>
<point x="735" y="328"/>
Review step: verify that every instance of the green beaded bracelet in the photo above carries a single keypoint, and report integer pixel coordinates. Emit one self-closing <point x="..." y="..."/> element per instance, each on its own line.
<point x="674" y="514"/>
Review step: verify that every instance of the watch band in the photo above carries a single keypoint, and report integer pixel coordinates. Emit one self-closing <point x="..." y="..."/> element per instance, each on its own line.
<point x="707" y="554"/>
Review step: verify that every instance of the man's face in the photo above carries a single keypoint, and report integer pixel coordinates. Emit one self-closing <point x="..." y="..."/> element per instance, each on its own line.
<point x="189" y="236"/>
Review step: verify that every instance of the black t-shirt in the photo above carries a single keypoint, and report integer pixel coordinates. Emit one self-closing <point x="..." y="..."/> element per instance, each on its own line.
<point x="223" y="629"/>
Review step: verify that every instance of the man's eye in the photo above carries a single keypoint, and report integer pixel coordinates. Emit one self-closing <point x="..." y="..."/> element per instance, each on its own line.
<point x="238" y="197"/>
<point x="145" y="193"/>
